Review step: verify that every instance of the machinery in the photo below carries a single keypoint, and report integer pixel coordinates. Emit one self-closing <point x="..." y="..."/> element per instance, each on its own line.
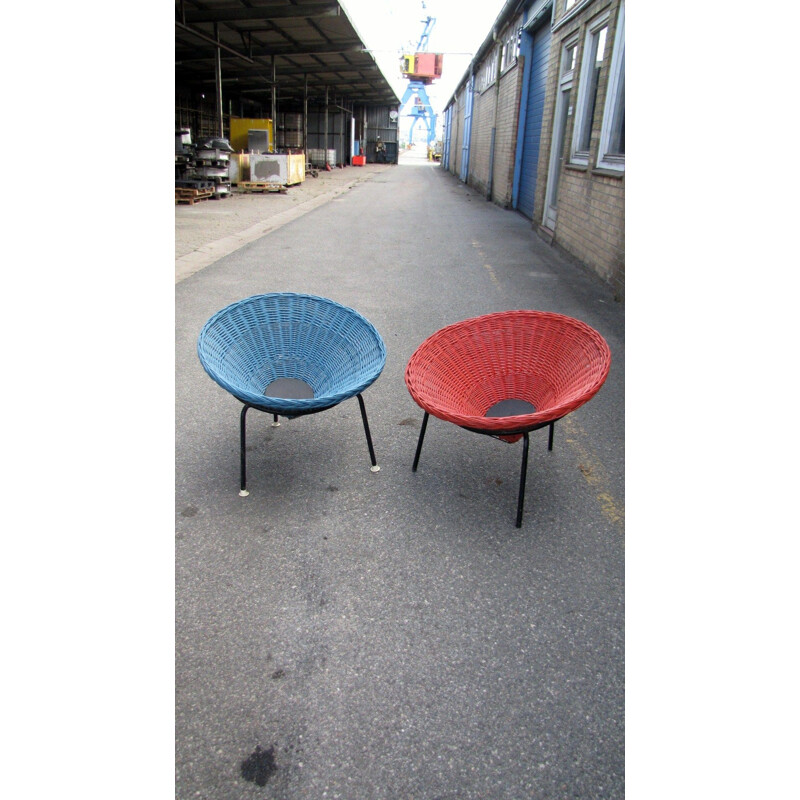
<point x="422" y="69"/>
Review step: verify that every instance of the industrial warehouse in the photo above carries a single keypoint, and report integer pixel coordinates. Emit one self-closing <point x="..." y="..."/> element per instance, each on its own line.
<point x="273" y="92"/>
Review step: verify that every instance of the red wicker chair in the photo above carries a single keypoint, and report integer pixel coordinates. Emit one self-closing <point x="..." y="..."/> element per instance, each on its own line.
<point x="507" y="374"/>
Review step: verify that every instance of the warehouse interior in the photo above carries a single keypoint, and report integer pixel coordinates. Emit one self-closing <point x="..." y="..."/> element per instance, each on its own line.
<point x="283" y="77"/>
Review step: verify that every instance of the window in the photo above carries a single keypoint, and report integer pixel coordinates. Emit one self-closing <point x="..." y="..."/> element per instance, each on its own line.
<point x="563" y="111"/>
<point x="596" y="59"/>
<point x="612" y="134"/>
<point x="593" y="64"/>
<point x="487" y="73"/>
<point x="571" y="8"/>
<point x="510" y="49"/>
<point x="568" y="57"/>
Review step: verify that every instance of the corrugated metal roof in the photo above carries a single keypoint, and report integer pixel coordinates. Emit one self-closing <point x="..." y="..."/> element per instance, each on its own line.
<point x="309" y="43"/>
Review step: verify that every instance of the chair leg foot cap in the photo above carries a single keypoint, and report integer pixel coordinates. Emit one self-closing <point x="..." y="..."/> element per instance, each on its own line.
<point x="244" y="493"/>
<point x="276" y="424"/>
<point x="376" y="468"/>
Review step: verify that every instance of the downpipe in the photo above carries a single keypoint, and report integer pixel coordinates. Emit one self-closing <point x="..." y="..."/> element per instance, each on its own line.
<point x="490" y="186"/>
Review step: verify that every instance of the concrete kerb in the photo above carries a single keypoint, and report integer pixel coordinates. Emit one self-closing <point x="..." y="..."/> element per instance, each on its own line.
<point x="211" y="252"/>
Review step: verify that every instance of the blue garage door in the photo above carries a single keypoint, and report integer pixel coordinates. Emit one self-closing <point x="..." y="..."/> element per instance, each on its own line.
<point x="533" y="120"/>
<point x="467" y="129"/>
<point x="448" y="123"/>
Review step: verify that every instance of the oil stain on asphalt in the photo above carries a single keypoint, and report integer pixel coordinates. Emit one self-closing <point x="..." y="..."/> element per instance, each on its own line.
<point x="259" y="766"/>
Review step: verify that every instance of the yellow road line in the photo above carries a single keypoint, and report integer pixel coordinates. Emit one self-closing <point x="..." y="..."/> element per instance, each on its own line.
<point x="487" y="267"/>
<point x="593" y="471"/>
<point x="590" y="465"/>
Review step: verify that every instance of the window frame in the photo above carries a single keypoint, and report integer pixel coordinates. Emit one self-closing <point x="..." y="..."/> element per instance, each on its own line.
<point x="579" y="156"/>
<point x="570" y="12"/>
<point x="487" y="74"/>
<point x="511" y="44"/>
<point x="561" y="114"/>
<point x="616" y="72"/>
<point x="569" y="44"/>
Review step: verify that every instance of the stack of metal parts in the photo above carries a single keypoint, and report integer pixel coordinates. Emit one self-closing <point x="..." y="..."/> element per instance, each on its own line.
<point x="186" y="175"/>
<point x="184" y="155"/>
<point x="211" y="163"/>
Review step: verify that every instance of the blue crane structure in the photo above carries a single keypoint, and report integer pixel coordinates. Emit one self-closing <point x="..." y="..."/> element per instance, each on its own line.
<point x="421" y="69"/>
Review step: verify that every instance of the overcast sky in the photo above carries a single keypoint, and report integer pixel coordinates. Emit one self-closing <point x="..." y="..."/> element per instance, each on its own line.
<point x="391" y="27"/>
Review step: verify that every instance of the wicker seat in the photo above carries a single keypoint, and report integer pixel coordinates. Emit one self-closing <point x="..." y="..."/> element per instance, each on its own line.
<point x="507" y="374"/>
<point x="291" y="354"/>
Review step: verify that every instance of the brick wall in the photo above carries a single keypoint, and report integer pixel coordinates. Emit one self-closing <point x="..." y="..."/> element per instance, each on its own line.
<point x="505" y="145"/>
<point x="480" y="143"/>
<point x="502" y="97"/>
<point x="590" y="223"/>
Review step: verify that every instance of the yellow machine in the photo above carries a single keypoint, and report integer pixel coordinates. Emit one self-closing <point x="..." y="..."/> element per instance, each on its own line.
<point x="240" y="126"/>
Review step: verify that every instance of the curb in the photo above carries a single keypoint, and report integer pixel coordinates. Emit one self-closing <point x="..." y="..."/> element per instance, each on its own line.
<point x="204" y="256"/>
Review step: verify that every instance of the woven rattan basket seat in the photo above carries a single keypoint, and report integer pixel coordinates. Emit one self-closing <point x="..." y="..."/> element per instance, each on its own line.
<point x="332" y="349"/>
<point x="548" y="361"/>
<point x="506" y="375"/>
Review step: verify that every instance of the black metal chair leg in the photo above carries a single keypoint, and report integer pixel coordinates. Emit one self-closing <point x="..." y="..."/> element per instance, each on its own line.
<point x="419" y="442"/>
<point x="242" y="458"/>
<point x="374" y="467"/>
<point x="550" y="437"/>
<point x="522" y="478"/>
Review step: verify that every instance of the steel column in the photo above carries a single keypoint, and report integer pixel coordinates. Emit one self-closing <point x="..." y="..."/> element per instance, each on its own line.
<point x="218" y="79"/>
<point x="305" y="115"/>
<point x="274" y="101"/>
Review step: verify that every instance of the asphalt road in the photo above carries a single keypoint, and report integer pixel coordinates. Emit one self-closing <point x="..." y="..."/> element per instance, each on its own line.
<point x="348" y="634"/>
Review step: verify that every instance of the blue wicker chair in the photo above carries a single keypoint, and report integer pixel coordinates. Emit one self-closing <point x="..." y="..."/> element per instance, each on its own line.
<point x="291" y="354"/>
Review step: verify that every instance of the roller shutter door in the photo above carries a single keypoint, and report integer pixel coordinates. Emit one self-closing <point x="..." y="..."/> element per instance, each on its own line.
<point x="533" y="120"/>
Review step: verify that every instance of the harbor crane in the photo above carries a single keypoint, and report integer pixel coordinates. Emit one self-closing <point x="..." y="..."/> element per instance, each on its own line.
<point x="422" y="69"/>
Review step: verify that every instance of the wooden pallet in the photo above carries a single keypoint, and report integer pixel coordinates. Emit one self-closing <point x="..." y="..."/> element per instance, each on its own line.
<point x="254" y="186"/>
<point x="192" y="196"/>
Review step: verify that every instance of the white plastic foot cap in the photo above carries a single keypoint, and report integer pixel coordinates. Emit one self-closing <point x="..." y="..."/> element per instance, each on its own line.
<point x="376" y="468"/>
<point x="244" y="493"/>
